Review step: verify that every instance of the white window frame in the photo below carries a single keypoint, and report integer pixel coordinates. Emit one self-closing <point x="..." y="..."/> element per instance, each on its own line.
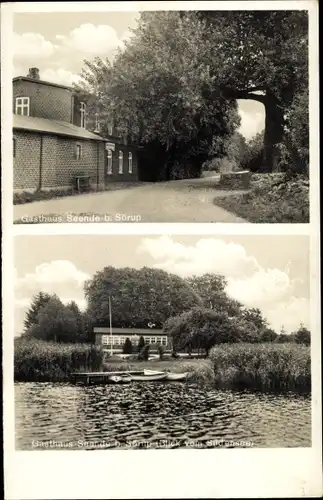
<point x="78" y="148"/>
<point x="120" y="162"/>
<point x="22" y="103"/>
<point x="110" y="162"/>
<point x="83" y="114"/>
<point x="97" y="123"/>
<point x="110" y="128"/>
<point x="130" y="162"/>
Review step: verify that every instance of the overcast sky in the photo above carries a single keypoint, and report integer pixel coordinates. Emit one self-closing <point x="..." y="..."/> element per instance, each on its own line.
<point x="269" y="272"/>
<point x="58" y="43"/>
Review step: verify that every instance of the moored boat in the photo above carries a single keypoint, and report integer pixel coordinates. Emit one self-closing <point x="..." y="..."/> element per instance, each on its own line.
<point x="119" y="379"/>
<point x="169" y="375"/>
<point x="146" y="377"/>
<point x="177" y="376"/>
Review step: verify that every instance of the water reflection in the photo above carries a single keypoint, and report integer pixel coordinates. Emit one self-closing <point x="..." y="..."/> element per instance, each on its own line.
<point x="157" y="415"/>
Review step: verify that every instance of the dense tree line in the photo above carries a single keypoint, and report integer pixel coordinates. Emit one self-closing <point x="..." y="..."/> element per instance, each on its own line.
<point x="173" y="89"/>
<point x="196" y="312"/>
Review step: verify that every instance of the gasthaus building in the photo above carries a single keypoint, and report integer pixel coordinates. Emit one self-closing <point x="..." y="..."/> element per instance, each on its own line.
<point x="53" y="148"/>
<point x="152" y="336"/>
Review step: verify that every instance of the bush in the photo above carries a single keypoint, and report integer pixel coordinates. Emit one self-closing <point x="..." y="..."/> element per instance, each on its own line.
<point x="267" y="366"/>
<point x="273" y="198"/>
<point x="161" y="352"/>
<point x="141" y="344"/>
<point x="144" y="353"/>
<point x="253" y="157"/>
<point x="127" y="348"/>
<point x="39" y="361"/>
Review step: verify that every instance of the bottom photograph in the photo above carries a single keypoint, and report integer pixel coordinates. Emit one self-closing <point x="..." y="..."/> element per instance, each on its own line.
<point x="151" y="342"/>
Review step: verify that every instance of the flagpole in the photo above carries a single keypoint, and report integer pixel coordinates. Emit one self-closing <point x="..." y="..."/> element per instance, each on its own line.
<point x="110" y="316"/>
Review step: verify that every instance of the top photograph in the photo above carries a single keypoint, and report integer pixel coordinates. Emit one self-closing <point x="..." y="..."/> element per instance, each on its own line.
<point x="163" y="116"/>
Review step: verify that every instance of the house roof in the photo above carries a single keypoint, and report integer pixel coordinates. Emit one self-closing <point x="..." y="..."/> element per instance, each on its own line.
<point x="55" y="127"/>
<point x="128" y="331"/>
<point x="42" y="82"/>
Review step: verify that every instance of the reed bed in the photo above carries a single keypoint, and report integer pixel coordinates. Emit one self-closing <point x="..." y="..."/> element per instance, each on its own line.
<point x="281" y="367"/>
<point x="39" y="361"/>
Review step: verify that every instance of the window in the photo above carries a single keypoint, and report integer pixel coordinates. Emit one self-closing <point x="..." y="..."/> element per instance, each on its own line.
<point x="78" y="151"/>
<point x="97" y="123"/>
<point x="130" y="162"/>
<point x="83" y="114"/>
<point x="147" y="340"/>
<point x="22" y="106"/>
<point x="120" y="162"/>
<point x="14" y="144"/>
<point x="164" y="340"/>
<point x="110" y="128"/>
<point x="109" y="162"/>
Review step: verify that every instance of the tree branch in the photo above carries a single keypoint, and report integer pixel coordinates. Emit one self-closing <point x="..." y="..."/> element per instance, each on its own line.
<point x="244" y="94"/>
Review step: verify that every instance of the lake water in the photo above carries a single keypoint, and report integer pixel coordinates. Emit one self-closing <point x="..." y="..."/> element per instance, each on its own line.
<point x="156" y="415"/>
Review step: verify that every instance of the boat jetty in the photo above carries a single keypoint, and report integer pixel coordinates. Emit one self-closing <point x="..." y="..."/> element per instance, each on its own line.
<point x="122" y="377"/>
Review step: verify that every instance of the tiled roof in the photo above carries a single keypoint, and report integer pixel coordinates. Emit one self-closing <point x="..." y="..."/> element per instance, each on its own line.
<point x="56" y="127"/>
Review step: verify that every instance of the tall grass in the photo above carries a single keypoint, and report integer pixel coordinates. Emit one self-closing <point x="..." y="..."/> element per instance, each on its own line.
<point x="262" y="366"/>
<point x="39" y="361"/>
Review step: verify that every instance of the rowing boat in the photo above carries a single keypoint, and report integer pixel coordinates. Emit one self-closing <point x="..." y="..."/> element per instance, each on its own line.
<point x="169" y="375"/>
<point x="119" y="379"/>
<point x="146" y="377"/>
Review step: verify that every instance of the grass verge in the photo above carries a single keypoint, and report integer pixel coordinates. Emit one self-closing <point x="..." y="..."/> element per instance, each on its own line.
<point x="28" y="197"/>
<point x="270" y="201"/>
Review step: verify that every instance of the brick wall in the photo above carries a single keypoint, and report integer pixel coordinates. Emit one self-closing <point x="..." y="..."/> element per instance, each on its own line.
<point x="67" y="166"/>
<point x="46" y="101"/>
<point x="126" y="176"/>
<point x="26" y="161"/>
<point x="59" y="163"/>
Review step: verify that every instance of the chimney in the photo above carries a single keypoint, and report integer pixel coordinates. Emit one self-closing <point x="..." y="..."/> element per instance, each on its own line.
<point x="33" y="73"/>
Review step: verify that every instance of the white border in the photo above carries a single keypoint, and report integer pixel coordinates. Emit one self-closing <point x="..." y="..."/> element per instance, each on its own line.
<point x="158" y="473"/>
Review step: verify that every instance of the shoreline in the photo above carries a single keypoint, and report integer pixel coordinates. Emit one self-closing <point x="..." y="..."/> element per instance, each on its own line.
<point x="269" y="367"/>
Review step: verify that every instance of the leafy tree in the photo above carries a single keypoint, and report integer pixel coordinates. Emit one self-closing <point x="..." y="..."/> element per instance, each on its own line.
<point x="211" y="288"/>
<point x="254" y="152"/>
<point x="127" y="348"/>
<point x="158" y="89"/>
<point x="254" y="315"/>
<point x="138" y="297"/>
<point x="295" y="148"/>
<point x="262" y="56"/>
<point x="268" y="335"/>
<point x="283" y="337"/>
<point x="302" y="336"/>
<point x="38" y="301"/>
<point x="201" y="329"/>
<point x="82" y="333"/>
<point x="141" y="344"/>
<point x="55" y="322"/>
<point x="176" y="83"/>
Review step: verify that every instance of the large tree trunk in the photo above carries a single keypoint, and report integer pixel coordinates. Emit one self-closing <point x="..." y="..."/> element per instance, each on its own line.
<point x="274" y="129"/>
